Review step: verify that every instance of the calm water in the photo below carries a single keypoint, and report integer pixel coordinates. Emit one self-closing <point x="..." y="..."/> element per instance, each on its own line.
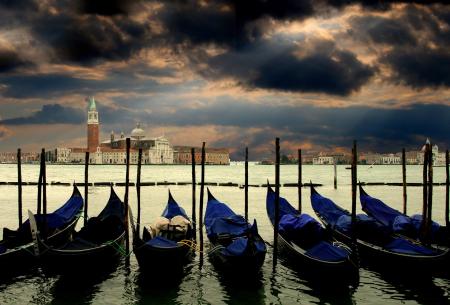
<point x="125" y="285"/>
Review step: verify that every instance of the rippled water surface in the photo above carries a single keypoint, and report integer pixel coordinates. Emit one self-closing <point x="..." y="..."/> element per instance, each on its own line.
<point x="126" y="285"/>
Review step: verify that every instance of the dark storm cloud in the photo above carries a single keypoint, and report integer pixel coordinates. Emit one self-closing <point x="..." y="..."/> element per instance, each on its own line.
<point x="19" y="4"/>
<point x="10" y="60"/>
<point x="50" y="114"/>
<point x="421" y="67"/>
<point x="43" y="86"/>
<point x="419" y="42"/>
<point x="383" y="30"/>
<point x="105" y="7"/>
<point x="275" y="65"/>
<point x="57" y="85"/>
<point x="87" y="39"/>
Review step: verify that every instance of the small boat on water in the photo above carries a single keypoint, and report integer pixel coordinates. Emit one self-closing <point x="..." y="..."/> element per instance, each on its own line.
<point x="236" y="247"/>
<point x="376" y="245"/>
<point x="400" y="223"/>
<point x="168" y="245"/>
<point x="17" y="247"/>
<point x="308" y="245"/>
<point x="99" y="243"/>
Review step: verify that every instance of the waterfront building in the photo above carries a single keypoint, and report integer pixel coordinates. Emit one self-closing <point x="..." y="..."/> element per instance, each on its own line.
<point x="320" y="160"/>
<point x="154" y="150"/>
<point x="391" y="159"/>
<point x="213" y="156"/>
<point x="93" y="129"/>
<point x="26" y="157"/>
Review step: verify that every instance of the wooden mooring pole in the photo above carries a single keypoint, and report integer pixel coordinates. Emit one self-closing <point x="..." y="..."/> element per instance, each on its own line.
<point x="404" y="181"/>
<point x="127" y="183"/>
<point x="277" y="202"/>
<point x="39" y="192"/>
<point x="447" y="186"/>
<point x="138" y="193"/>
<point x="44" y="196"/>
<point x="86" y="186"/>
<point x="430" y="196"/>
<point x="335" y="173"/>
<point x="246" y="185"/>
<point x="194" y="220"/>
<point x="354" y="184"/>
<point x="299" y="182"/>
<point x="19" y="184"/>
<point x="424" y="191"/>
<point x="202" y="193"/>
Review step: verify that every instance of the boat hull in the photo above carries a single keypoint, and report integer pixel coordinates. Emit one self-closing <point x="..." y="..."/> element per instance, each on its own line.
<point x="342" y="272"/>
<point x="170" y="260"/>
<point x="23" y="257"/>
<point x="236" y="265"/>
<point x="77" y="260"/>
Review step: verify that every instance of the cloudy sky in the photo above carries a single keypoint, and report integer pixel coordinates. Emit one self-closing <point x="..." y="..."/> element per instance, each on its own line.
<point x="229" y="72"/>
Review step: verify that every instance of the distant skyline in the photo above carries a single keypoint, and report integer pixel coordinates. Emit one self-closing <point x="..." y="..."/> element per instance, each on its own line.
<point x="318" y="74"/>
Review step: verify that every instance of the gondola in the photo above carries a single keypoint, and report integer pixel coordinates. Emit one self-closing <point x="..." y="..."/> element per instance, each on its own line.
<point x="17" y="248"/>
<point x="168" y="245"/>
<point x="376" y="245"/>
<point x="235" y="245"/>
<point x="399" y="222"/>
<point x="307" y="244"/>
<point x="97" y="244"/>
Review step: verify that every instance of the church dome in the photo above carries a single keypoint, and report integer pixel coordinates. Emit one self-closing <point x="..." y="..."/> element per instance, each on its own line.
<point x="138" y="132"/>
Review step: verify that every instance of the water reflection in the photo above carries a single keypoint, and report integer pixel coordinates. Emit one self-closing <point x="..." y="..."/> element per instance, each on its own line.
<point x="243" y="289"/>
<point x="79" y="288"/>
<point x="419" y="288"/>
<point x="158" y="288"/>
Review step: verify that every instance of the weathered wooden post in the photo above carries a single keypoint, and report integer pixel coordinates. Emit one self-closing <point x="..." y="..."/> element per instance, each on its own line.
<point x="127" y="182"/>
<point x="194" y="220"/>
<point x="299" y="182"/>
<point x="277" y="201"/>
<point x="404" y="181"/>
<point x="447" y="186"/>
<point x="138" y="193"/>
<point x="44" y="196"/>
<point x="424" y="190"/>
<point x="246" y="185"/>
<point x="202" y="193"/>
<point x="39" y="193"/>
<point x="19" y="184"/>
<point x="430" y="196"/>
<point x="354" y="183"/>
<point x="86" y="186"/>
<point x="335" y="173"/>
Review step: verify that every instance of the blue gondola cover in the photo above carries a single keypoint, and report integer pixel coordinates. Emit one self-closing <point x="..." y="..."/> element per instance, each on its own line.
<point x="237" y="247"/>
<point x="293" y="226"/>
<point x="333" y="214"/>
<point x="60" y="217"/>
<point x="162" y="242"/>
<point x="285" y="207"/>
<point x="379" y="210"/>
<point x="401" y="245"/>
<point x="173" y="209"/>
<point x="416" y="221"/>
<point x="327" y="252"/>
<point x="220" y="219"/>
<point x="233" y="225"/>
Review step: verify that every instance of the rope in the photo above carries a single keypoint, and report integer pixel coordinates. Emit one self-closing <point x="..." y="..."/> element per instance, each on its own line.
<point x="191" y="244"/>
<point x="116" y="246"/>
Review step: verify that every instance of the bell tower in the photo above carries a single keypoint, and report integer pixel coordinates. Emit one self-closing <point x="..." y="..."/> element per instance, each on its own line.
<point x="92" y="126"/>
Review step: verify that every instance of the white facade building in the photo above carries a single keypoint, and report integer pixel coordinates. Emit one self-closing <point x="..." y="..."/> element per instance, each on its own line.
<point x="323" y="160"/>
<point x="391" y="159"/>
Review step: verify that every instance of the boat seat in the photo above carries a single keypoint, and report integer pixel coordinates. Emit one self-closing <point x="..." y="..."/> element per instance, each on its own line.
<point x="171" y="232"/>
